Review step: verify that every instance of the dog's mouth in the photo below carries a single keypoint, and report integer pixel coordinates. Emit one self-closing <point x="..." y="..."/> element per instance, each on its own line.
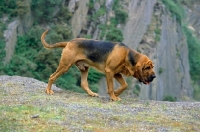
<point x="148" y="80"/>
<point x="145" y="82"/>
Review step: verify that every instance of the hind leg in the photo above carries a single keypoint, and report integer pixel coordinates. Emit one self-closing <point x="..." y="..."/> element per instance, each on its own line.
<point x="65" y="63"/>
<point x="60" y="70"/>
<point x="54" y="76"/>
<point x="84" y="82"/>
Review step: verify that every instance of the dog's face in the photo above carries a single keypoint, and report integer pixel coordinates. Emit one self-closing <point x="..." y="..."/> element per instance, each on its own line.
<point x="144" y="72"/>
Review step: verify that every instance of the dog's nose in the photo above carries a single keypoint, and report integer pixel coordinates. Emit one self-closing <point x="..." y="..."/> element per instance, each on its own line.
<point x="153" y="76"/>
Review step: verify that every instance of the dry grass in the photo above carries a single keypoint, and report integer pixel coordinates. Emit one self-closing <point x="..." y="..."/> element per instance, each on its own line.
<point x="21" y="99"/>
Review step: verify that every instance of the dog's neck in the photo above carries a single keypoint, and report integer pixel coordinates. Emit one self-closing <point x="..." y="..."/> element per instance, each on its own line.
<point x="132" y="59"/>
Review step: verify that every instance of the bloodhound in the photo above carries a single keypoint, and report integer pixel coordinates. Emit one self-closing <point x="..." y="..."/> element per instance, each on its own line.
<point x="111" y="58"/>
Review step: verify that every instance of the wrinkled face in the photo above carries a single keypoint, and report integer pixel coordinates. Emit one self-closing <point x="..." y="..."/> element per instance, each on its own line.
<point x="145" y="71"/>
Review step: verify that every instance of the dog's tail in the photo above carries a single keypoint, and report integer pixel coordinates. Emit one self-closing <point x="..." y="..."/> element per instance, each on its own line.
<point x="56" y="45"/>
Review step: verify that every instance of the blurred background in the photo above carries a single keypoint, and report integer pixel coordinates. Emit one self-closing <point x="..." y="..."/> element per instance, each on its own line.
<point x="167" y="31"/>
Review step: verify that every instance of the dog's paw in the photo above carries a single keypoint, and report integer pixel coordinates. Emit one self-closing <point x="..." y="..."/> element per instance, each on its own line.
<point x="116" y="94"/>
<point x="94" y="94"/>
<point x="115" y="99"/>
<point x="50" y="92"/>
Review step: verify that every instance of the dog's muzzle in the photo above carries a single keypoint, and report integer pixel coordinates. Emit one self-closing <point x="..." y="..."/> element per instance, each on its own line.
<point x="149" y="79"/>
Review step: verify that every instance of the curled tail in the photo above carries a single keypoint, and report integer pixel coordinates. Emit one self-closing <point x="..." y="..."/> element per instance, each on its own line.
<point x="46" y="45"/>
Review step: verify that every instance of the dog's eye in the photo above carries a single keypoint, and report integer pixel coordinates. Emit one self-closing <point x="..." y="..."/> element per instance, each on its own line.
<point x="147" y="68"/>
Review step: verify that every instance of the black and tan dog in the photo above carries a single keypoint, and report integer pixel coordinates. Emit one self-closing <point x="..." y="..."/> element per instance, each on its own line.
<point x="111" y="58"/>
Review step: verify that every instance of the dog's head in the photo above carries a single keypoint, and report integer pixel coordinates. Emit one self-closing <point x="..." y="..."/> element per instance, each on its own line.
<point x="144" y="70"/>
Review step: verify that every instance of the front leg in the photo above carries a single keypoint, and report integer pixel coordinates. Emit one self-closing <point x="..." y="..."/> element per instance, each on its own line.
<point x="109" y="78"/>
<point x="123" y="83"/>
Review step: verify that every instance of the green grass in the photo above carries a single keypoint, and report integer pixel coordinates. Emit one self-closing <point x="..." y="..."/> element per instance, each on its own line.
<point x="19" y="117"/>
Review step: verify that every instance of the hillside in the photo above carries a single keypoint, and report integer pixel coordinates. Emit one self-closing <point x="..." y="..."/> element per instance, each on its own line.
<point x="25" y="107"/>
<point x="164" y="30"/>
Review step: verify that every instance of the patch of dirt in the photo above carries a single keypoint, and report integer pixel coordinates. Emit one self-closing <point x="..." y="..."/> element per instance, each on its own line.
<point x="25" y="107"/>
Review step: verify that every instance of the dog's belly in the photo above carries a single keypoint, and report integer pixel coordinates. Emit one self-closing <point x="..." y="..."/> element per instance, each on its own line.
<point x="81" y="64"/>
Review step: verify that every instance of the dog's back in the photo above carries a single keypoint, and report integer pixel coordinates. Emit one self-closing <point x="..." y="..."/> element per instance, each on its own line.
<point x="96" y="51"/>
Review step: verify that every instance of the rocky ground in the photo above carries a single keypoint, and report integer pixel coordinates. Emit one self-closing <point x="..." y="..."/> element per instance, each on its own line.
<point x="25" y="107"/>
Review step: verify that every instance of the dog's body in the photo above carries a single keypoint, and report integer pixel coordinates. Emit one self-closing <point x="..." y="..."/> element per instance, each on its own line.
<point x="111" y="58"/>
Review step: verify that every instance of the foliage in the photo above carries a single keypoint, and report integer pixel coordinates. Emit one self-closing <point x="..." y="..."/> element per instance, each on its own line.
<point x="194" y="56"/>
<point x="103" y="28"/>
<point x="121" y="16"/>
<point x="8" y="7"/>
<point x="64" y="14"/>
<point x="158" y="33"/>
<point x="91" y="5"/>
<point x="175" y="8"/>
<point x="43" y="10"/>
<point x="114" y="35"/>
<point x="170" y="98"/>
<point x="99" y="13"/>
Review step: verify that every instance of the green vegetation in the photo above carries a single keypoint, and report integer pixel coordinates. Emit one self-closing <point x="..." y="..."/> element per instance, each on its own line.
<point x="158" y="33"/>
<point x="170" y="98"/>
<point x="109" y="31"/>
<point x="161" y="70"/>
<point x="175" y="8"/>
<point x="136" y="90"/>
<point x="43" y="10"/>
<point x="194" y="56"/>
<point x="121" y="16"/>
<point x="115" y="35"/>
<point x="8" y="7"/>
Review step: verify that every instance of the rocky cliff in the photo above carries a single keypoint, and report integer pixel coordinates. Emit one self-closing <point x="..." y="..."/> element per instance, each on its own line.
<point x="149" y="28"/>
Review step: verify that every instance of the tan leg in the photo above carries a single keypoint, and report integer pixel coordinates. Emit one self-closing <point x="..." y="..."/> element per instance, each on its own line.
<point x="60" y="70"/>
<point x="65" y="63"/>
<point x="109" y="78"/>
<point x="123" y="83"/>
<point x="84" y="82"/>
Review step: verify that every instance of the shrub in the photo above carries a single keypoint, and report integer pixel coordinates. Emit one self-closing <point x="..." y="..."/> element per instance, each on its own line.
<point x="121" y="16"/>
<point x="114" y="35"/>
<point x="170" y="98"/>
<point x="43" y="9"/>
<point x="8" y="7"/>
<point x="64" y="14"/>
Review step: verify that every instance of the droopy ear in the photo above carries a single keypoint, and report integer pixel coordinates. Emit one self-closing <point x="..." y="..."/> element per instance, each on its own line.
<point x="139" y="67"/>
<point x="147" y="63"/>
